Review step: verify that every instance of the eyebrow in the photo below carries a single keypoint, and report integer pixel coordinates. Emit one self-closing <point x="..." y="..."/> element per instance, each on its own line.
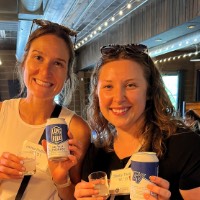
<point x="130" y="79"/>
<point x="60" y="59"/>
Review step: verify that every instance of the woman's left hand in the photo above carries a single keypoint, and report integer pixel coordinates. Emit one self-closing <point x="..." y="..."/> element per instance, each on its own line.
<point x="161" y="188"/>
<point x="60" y="169"/>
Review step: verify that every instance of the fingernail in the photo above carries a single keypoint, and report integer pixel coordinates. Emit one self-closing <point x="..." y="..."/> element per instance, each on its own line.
<point x="96" y="191"/>
<point x="20" y="173"/>
<point x="152" y="178"/>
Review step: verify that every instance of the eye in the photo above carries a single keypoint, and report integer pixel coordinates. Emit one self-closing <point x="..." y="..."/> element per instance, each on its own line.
<point x="131" y="85"/>
<point x="107" y="86"/>
<point x="59" y="64"/>
<point x="38" y="57"/>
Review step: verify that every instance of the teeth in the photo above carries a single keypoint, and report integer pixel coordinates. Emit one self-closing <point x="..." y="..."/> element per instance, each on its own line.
<point x="120" y="110"/>
<point x="42" y="83"/>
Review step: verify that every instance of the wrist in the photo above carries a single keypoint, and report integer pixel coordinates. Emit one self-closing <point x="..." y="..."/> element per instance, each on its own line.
<point x="63" y="185"/>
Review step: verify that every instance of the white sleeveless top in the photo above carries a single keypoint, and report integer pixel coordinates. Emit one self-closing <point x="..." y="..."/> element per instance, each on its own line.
<point x="13" y="132"/>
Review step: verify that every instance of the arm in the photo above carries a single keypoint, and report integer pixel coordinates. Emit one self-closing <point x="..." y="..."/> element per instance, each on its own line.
<point x="60" y="170"/>
<point x="80" y="132"/>
<point x="66" y="193"/>
<point x="192" y="194"/>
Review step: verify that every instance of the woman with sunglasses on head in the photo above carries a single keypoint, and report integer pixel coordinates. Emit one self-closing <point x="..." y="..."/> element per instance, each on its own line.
<point x="45" y="71"/>
<point x="131" y="112"/>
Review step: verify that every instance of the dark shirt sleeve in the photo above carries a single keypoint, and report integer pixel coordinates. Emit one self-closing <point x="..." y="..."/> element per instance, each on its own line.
<point x="190" y="175"/>
<point x="181" y="163"/>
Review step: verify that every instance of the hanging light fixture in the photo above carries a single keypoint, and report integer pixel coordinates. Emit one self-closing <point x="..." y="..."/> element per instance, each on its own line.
<point x="31" y="5"/>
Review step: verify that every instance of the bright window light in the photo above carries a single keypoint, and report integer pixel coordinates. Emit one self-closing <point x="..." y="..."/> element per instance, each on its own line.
<point x="56" y="99"/>
<point x="171" y="85"/>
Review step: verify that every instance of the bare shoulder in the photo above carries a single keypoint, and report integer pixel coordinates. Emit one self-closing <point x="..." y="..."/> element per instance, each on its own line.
<point x="80" y="128"/>
<point x="0" y="105"/>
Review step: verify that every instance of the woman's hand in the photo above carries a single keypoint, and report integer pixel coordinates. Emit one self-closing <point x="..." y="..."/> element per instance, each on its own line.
<point x="85" y="190"/>
<point x="161" y="188"/>
<point x="11" y="166"/>
<point x="60" y="169"/>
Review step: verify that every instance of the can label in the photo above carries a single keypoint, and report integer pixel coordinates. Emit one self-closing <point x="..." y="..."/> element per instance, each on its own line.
<point x="143" y="166"/>
<point x="57" y="141"/>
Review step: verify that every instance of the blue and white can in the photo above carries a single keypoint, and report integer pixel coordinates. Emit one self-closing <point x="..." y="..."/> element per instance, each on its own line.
<point x="143" y="165"/>
<point x="57" y="139"/>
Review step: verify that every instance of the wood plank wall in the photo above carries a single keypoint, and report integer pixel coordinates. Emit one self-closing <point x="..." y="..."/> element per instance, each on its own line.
<point x="193" y="106"/>
<point x="157" y="17"/>
<point x="7" y="72"/>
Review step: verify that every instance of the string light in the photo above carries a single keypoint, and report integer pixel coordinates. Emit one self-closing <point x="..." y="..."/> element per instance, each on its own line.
<point x="176" y="57"/>
<point x="179" y="43"/>
<point x="120" y="14"/>
<point x="128" y="5"/>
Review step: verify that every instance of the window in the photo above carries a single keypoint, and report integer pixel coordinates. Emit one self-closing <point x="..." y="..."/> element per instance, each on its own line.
<point x="171" y="82"/>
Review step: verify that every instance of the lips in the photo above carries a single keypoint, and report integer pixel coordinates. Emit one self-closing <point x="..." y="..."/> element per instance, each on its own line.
<point x="43" y="83"/>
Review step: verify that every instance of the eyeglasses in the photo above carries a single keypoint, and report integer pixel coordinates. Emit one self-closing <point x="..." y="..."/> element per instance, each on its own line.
<point x="114" y="49"/>
<point x="46" y="23"/>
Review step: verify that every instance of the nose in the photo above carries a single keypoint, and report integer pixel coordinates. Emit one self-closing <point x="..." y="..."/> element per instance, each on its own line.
<point x="46" y="68"/>
<point x="119" y="94"/>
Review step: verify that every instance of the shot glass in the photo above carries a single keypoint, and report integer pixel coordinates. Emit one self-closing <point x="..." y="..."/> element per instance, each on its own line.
<point x="29" y="159"/>
<point x="102" y="186"/>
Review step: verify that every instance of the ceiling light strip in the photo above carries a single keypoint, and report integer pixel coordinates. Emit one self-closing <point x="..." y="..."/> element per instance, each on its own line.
<point x="179" y="43"/>
<point x="110" y="22"/>
<point x="82" y="35"/>
<point x="177" y="57"/>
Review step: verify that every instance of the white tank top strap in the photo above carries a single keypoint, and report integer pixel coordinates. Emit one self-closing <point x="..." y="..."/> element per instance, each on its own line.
<point x="67" y="115"/>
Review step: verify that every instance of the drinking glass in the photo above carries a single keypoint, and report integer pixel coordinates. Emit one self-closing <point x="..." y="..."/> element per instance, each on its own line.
<point x="29" y="158"/>
<point x="102" y="186"/>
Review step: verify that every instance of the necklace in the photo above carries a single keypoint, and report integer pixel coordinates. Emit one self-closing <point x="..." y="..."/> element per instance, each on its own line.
<point x="137" y="150"/>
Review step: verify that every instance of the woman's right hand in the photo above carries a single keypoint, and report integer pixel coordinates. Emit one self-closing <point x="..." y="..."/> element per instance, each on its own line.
<point x="11" y="166"/>
<point x="85" y="190"/>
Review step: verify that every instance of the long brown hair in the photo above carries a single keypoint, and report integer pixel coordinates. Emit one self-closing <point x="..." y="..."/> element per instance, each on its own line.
<point x="160" y="121"/>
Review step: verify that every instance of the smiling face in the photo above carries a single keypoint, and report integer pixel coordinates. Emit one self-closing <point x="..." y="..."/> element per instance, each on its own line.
<point x="46" y="67"/>
<point x="122" y="90"/>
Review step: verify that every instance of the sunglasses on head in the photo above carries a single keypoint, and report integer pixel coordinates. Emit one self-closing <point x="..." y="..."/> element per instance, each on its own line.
<point x="114" y="49"/>
<point x="46" y="23"/>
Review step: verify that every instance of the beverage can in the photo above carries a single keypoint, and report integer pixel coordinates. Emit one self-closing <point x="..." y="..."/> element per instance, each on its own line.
<point x="143" y="165"/>
<point x="57" y="139"/>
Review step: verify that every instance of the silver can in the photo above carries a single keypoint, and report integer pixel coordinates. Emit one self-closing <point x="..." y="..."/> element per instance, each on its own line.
<point x="57" y="139"/>
<point x="143" y="165"/>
